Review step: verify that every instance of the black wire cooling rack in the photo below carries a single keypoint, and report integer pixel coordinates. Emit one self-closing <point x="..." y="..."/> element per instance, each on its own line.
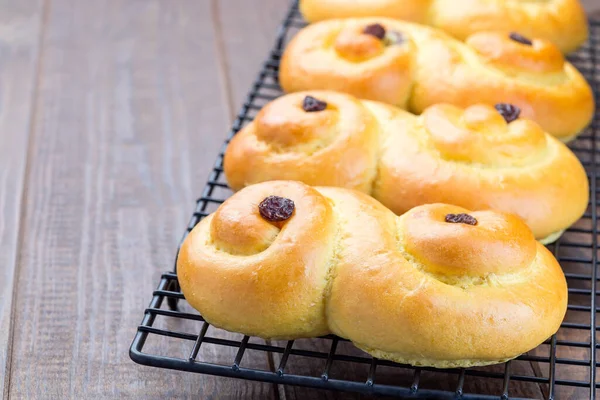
<point x="173" y="335"/>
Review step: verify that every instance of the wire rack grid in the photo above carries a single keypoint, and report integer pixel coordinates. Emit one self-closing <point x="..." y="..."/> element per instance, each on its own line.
<point x="173" y="335"/>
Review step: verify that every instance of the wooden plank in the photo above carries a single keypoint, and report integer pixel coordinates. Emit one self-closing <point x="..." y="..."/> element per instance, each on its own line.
<point x="129" y="118"/>
<point x="591" y="6"/>
<point x="247" y="31"/>
<point x="20" y="25"/>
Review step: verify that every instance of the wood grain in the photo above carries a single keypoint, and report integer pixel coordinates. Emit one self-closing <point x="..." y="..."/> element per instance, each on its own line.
<point x="246" y="36"/>
<point x="129" y="119"/>
<point x="20" y="26"/>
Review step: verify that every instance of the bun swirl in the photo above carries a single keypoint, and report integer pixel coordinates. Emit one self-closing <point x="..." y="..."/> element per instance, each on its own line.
<point x="233" y="270"/>
<point x="335" y="147"/>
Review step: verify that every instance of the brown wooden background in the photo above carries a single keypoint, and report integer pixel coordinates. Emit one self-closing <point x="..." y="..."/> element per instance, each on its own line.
<point x="111" y="114"/>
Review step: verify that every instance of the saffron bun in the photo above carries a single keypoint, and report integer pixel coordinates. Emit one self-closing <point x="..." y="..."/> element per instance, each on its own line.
<point x="470" y="157"/>
<point x="439" y="286"/>
<point x="414" y="67"/>
<point x="562" y="22"/>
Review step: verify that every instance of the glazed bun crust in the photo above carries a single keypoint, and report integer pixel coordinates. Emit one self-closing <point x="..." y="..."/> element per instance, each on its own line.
<point x="562" y="22"/>
<point x="415" y="67"/>
<point x="408" y="10"/>
<point x="439" y="294"/>
<point x="469" y="157"/>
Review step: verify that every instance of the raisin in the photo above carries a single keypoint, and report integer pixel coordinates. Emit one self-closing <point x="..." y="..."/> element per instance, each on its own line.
<point x="521" y="39"/>
<point x="394" y="37"/>
<point x="376" y="30"/>
<point x="508" y="111"/>
<point x="310" y="104"/>
<point x="461" y="219"/>
<point x="276" y="209"/>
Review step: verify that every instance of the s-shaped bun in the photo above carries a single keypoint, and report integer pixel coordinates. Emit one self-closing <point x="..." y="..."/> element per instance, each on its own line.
<point x="469" y="157"/>
<point x="439" y="286"/>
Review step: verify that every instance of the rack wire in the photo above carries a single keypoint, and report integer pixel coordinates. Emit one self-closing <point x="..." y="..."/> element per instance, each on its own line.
<point x="173" y="335"/>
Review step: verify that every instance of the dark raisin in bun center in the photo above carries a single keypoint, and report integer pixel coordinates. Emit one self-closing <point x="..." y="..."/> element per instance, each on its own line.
<point x="376" y="30"/>
<point x="520" y="38"/>
<point x="276" y="209"/>
<point x="508" y="111"/>
<point x="311" y="104"/>
<point x="461" y="219"/>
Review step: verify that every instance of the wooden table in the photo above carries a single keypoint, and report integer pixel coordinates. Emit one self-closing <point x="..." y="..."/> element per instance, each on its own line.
<point x="111" y="114"/>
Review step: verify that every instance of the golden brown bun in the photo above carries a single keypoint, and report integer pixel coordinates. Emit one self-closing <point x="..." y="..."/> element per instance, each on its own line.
<point x="408" y="10"/>
<point x="562" y="22"/>
<point x="472" y="158"/>
<point x="413" y="289"/>
<point x="428" y="67"/>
